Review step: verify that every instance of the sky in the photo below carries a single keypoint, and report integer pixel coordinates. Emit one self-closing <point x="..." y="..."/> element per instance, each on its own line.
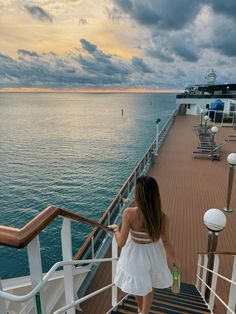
<point x="138" y="45"/>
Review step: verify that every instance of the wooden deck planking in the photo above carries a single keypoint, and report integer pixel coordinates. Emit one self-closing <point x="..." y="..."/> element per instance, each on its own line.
<point x="189" y="186"/>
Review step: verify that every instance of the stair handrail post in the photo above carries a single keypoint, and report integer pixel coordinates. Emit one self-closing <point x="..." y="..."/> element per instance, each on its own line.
<point x="199" y="262"/>
<point x="66" y="243"/>
<point x="214" y="281"/>
<point x="204" y="274"/>
<point x="113" y="270"/>
<point x="215" y="221"/>
<point x="36" y="273"/>
<point x="3" y="307"/>
<point x="232" y="292"/>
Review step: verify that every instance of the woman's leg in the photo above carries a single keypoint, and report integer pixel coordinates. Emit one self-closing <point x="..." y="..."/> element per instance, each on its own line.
<point x="147" y="302"/>
<point x="139" y="300"/>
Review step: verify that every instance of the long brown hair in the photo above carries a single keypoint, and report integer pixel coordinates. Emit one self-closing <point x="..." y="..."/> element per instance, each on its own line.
<point x="148" y="201"/>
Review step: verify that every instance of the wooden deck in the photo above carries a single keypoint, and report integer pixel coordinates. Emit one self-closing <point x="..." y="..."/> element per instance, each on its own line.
<point x="189" y="186"/>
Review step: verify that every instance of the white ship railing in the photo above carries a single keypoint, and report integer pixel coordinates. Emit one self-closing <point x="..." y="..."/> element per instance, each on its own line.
<point x="211" y="295"/>
<point x="92" y="251"/>
<point x="71" y="301"/>
<point x="218" y="117"/>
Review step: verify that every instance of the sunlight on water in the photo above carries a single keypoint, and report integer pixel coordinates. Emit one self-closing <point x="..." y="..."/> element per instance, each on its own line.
<point x="70" y="150"/>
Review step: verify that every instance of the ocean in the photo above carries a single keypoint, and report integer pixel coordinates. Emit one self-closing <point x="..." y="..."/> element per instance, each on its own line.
<point x="70" y="150"/>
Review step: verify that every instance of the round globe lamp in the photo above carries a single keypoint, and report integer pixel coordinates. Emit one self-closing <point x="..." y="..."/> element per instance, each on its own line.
<point x="215" y="221"/>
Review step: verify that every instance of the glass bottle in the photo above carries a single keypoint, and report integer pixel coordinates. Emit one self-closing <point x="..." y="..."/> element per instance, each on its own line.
<point x="176" y="280"/>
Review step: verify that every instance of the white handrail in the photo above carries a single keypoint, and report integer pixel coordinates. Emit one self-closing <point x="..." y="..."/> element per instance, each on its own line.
<point x="219" y="275"/>
<point x="226" y="306"/>
<point x="69" y="306"/>
<point x="212" y="286"/>
<point x="32" y="293"/>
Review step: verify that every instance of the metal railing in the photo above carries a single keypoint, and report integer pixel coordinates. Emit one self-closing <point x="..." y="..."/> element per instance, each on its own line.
<point x="203" y="286"/>
<point x="218" y="117"/>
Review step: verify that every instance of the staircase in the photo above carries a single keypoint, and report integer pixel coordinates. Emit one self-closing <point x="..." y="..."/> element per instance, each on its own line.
<point x="188" y="301"/>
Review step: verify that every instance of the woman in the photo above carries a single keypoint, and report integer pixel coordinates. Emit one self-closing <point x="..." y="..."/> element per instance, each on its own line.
<point x="144" y="239"/>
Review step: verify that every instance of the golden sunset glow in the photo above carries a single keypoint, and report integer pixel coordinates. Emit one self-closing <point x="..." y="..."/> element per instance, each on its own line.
<point x="113" y="44"/>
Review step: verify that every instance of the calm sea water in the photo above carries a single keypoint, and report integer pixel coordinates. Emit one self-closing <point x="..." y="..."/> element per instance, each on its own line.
<point x="70" y="150"/>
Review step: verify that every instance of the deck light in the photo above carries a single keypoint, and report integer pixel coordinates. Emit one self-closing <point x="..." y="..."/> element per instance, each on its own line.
<point x="214" y="129"/>
<point x="215" y="221"/>
<point x="206" y="118"/>
<point x="232" y="162"/>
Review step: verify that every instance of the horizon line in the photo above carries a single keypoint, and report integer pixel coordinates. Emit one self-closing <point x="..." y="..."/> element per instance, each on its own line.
<point x="77" y="90"/>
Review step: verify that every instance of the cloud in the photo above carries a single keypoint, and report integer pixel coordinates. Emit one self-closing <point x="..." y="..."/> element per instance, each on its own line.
<point x="38" y="13"/>
<point x="27" y="53"/>
<point x="141" y="65"/>
<point x="87" y="45"/>
<point x="162" y="54"/>
<point x="184" y="49"/>
<point x="83" y="21"/>
<point x="227" y="7"/>
<point x="92" y="69"/>
<point x="164" y="14"/>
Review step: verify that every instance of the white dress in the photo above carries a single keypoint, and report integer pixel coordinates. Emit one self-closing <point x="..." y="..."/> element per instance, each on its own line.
<point x="142" y="267"/>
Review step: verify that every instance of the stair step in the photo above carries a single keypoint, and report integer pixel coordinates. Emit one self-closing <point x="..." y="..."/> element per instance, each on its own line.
<point x="188" y="301"/>
<point x="173" y="309"/>
<point x="179" y="295"/>
<point x="199" y="306"/>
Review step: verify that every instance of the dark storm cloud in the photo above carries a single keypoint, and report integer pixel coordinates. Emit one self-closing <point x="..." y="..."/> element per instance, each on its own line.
<point x="38" y="13"/>
<point x="163" y="56"/>
<point x="141" y="65"/>
<point x="223" y="40"/>
<point x="87" y="45"/>
<point x="27" y="53"/>
<point x="164" y="14"/>
<point x="98" y="62"/>
<point x="184" y="50"/>
<point x="226" y="7"/>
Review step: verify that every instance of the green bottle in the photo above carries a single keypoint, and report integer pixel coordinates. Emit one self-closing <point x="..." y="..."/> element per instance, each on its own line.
<point x="176" y="280"/>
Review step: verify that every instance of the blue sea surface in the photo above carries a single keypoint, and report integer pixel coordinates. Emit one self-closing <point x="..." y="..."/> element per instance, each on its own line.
<point x="70" y="150"/>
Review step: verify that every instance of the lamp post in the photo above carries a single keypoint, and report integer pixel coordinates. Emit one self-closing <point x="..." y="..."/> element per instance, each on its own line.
<point x="214" y="130"/>
<point x="157" y="135"/>
<point x="232" y="162"/>
<point x="206" y="118"/>
<point x="201" y="114"/>
<point x="215" y="221"/>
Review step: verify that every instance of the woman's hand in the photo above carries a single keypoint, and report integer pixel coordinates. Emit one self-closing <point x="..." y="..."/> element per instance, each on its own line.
<point x="113" y="228"/>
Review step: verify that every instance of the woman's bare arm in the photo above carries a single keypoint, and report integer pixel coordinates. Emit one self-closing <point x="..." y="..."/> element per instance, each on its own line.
<point x="122" y="234"/>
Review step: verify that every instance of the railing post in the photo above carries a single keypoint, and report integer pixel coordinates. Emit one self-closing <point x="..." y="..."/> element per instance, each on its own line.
<point x="199" y="262"/>
<point x="114" y="263"/>
<point x="35" y="267"/>
<point x="3" y="308"/>
<point x="232" y="292"/>
<point x="214" y="282"/>
<point x="92" y="244"/>
<point x="212" y="244"/>
<point x="68" y="269"/>
<point x="204" y="274"/>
